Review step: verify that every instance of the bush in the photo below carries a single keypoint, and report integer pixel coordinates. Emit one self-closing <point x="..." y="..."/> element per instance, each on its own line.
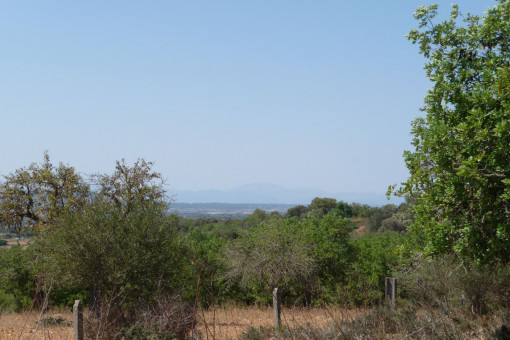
<point x="126" y="260"/>
<point x="451" y="284"/>
<point x="3" y="242"/>
<point x="375" y="257"/>
<point x="8" y="303"/>
<point x="168" y="318"/>
<point x="55" y="321"/>
<point x="18" y="284"/>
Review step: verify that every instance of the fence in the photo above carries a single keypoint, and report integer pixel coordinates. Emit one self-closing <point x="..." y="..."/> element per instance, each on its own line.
<point x="390" y="295"/>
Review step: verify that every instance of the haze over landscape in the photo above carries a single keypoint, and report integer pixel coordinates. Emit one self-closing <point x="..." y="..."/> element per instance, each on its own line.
<point x="219" y="94"/>
<point x="269" y="193"/>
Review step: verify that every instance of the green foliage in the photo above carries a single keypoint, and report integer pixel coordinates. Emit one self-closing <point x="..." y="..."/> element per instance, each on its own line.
<point x="459" y="168"/>
<point x="207" y="269"/>
<point x="375" y="257"/>
<point x="125" y="257"/>
<point x="274" y="254"/>
<point x="295" y="255"/>
<point x="130" y="185"/>
<point x="252" y="333"/>
<point x="55" y="321"/>
<point x="342" y="209"/>
<point x="331" y="249"/>
<point x="9" y="303"/>
<point x="378" y="215"/>
<point x="361" y="210"/>
<point x="18" y="283"/>
<point x="324" y="205"/>
<point x="123" y="247"/>
<point x="35" y="196"/>
<point x="139" y="331"/>
<point x="3" y="242"/>
<point x="297" y="211"/>
<point x="64" y="296"/>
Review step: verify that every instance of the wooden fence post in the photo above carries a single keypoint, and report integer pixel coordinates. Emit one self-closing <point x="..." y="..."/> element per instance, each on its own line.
<point x="391" y="291"/>
<point x="78" y="320"/>
<point x="277" y="305"/>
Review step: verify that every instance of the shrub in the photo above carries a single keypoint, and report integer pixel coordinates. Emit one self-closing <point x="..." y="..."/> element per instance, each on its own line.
<point x="8" y="303"/>
<point x="375" y="257"/>
<point x="55" y="321"/>
<point x="18" y="284"/>
<point x="451" y="284"/>
<point x="126" y="259"/>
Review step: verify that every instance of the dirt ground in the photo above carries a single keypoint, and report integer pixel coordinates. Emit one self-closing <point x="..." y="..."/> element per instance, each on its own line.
<point x="219" y="323"/>
<point x="24" y="326"/>
<point x="230" y="323"/>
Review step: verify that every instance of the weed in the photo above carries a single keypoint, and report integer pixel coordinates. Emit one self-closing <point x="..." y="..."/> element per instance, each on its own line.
<point x="55" y="321"/>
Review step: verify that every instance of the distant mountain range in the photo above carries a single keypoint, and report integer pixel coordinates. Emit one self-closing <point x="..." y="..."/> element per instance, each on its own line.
<point x="262" y="193"/>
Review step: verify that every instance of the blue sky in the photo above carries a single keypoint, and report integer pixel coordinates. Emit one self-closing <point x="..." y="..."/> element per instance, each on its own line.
<point x="313" y="94"/>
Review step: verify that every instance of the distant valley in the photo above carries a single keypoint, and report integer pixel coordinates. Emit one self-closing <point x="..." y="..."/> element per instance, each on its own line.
<point x="262" y="193"/>
<point x="225" y="210"/>
<point x="241" y="201"/>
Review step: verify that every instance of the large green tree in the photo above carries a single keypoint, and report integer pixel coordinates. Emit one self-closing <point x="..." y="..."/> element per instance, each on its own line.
<point x="460" y="167"/>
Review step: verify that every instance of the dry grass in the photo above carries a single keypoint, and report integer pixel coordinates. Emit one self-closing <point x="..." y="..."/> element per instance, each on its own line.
<point x="231" y="322"/>
<point x="215" y="323"/>
<point x="11" y="326"/>
<point x="361" y="226"/>
<point x="302" y="323"/>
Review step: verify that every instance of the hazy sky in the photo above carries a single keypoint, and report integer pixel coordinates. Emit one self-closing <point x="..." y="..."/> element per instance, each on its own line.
<point x="315" y="94"/>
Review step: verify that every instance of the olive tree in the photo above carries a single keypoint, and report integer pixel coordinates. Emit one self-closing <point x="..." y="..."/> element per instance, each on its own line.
<point x="460" y="165"/>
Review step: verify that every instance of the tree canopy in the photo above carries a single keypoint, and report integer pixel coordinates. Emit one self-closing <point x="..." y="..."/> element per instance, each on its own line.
<point x="35" y="196"/>
<point x="460" y="167"/>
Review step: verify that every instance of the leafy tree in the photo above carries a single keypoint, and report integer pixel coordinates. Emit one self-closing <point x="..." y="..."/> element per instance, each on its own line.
<point x="275" y="214"/>
<point x="460" y="165"/>
<point x="37" y="195"/>
<point x="297" y="211"/>
<point x="342" y="209"/>
<point x="129" y="185"/>
<point x="254" y="219"/>
<point x="361" y="210"/>
<point x="400" y="220"/>
<point x="274" y="254"/>
<point x="378" y="215"/>
<point x="322" y="204"/>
